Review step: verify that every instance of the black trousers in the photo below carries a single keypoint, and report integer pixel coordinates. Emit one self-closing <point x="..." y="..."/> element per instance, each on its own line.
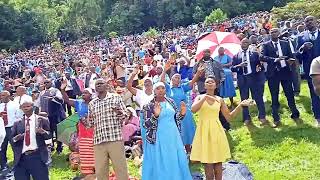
<point x="31" y="165"/>
<point x="253" y="83"/>
<point x="4" y="147"/>
<point x="70" y="95"/>
<point x="54" y="130"/>
<point x="274" y="85"/>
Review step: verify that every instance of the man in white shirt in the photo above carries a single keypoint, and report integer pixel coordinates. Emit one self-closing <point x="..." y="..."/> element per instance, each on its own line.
<point x="20" y="97"/>
<point x="2" y="132"/>
<point x="8" y="115"/>
<point x="30" y="151"/>
<point x="315" y="75"/>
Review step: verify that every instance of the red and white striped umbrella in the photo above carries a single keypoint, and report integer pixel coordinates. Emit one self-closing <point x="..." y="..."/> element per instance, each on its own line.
<point x="215" y="40"/>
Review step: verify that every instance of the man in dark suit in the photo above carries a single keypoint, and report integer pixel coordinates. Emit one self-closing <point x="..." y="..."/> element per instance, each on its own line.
<point x="51" y="103"/>
<point x="278" y="56"/>
<point x="250" y="77"/>
<point x="30" y="151"/>
<point x="308" y="50"/>
<point x="295" y="67"/>
<point x="72" y="89"/>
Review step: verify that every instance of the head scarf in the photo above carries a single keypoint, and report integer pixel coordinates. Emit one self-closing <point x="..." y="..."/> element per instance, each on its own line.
<point x="133" y="112"/>
<point x="171" y="83"/>
<point x="158" y="84"/>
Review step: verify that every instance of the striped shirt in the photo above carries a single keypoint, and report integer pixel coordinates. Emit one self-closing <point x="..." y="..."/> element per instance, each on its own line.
<point x="105" y="120"/>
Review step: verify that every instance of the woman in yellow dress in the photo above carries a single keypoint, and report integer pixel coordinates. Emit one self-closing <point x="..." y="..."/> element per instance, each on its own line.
<point x="210" y="145"/>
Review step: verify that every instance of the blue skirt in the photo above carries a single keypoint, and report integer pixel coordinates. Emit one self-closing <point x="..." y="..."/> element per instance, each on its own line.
<point x="227" y="88"/>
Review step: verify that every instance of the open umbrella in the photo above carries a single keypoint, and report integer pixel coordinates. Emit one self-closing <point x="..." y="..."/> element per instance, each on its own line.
<point x="66" y="128"/>
<point x="215" y="40"/>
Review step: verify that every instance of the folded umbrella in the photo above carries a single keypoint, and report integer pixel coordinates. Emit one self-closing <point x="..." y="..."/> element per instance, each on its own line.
<point x="66" y="128"/>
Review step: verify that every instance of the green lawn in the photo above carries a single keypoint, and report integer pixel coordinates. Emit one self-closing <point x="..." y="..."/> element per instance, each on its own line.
<point x="290" y="152"/>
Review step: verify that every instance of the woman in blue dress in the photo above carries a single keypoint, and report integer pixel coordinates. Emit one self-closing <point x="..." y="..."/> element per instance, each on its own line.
<point x="178" y="92"/>
<point x="227" y="89"/>
<point x="164" y="154"/>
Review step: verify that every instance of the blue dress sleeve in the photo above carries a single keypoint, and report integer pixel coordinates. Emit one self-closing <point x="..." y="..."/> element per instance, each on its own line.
<point x="229" y="59"/>
<point x="186" y="87"/>
<point x="76" y="104"/>
<point x="168" y="89"/>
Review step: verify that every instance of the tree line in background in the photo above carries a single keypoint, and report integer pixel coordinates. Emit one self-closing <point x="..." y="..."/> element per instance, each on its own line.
<point x="25" y="23"/>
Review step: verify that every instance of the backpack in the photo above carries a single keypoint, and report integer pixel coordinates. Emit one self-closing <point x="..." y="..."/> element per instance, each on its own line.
<point x="233" y="170"/>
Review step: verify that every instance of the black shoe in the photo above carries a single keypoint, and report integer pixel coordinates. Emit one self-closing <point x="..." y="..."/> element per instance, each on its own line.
<point x="298" y="121"/>
<point x="277" y="124"/>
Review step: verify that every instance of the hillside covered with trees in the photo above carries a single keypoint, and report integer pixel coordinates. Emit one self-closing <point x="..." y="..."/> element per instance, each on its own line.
<point x="25" y="23"/>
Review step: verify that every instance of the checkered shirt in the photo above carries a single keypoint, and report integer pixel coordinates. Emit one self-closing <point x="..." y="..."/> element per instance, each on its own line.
<point x="106" y="122"/>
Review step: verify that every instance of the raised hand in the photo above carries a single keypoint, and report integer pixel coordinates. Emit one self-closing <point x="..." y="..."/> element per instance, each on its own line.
<point x="183" y="108"/>
<point x="64" y="84"/>
<point x="136" y="70"/>
<point x="201" y="69"/>
<point x="247" y="102"/>
<point x="157" y="109"/>
<point x="18" y="137"/>
<point x="40" y="131"/>
<point x="168" y="65"/>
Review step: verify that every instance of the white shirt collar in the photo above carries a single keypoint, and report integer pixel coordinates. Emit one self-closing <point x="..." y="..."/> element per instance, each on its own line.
<point x="275" y="42"/>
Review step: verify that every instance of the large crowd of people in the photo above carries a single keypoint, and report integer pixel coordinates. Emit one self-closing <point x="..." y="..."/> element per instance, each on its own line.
<point x="136" y="96"/>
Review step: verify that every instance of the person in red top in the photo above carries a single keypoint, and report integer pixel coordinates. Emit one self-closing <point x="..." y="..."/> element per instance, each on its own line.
<point x="153" y="71"/>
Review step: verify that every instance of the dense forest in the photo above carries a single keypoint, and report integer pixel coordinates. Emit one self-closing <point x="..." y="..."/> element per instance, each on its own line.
<point x="24" y="23"/>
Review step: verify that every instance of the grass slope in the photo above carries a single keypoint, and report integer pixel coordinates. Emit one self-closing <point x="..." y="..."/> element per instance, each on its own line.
<point x="287" y="153"/>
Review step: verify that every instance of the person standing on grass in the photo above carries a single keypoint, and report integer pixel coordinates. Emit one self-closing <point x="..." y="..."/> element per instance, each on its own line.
<point x="107" y="113"/>
<point x="177" y="91"/>
<point x="308" y="50"/>
<point x="8" y="110"/>
<point x="315" y="75"/>
<point x="212" y="68"/>
<point x="85" y="134"/>
<point x="31" y="155"/>
<point x="251" y="79"/>
<point x="210" y="145"/>
<point x="227" y="89"/>
<point x="141" y="97"/>
<point x="51" y="102"/>
<point x="278" y="55"/>
<point x="164" y="154"/>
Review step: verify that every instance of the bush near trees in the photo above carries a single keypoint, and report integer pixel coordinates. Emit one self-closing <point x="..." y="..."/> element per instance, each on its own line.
<point x="216" y="16"/>
<point x="299" y="9"/>
<point x="152" y="33"/>
<point x="25" y="23"/>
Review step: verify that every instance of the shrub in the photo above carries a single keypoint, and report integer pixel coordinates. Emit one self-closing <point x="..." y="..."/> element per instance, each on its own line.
<point x="216" y="16"/>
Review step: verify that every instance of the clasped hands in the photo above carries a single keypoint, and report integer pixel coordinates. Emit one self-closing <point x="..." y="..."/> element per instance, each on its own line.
<point x="157" y="109"/>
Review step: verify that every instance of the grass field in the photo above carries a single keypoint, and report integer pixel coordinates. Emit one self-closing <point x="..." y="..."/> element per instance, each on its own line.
<point x="290" y="152"/>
